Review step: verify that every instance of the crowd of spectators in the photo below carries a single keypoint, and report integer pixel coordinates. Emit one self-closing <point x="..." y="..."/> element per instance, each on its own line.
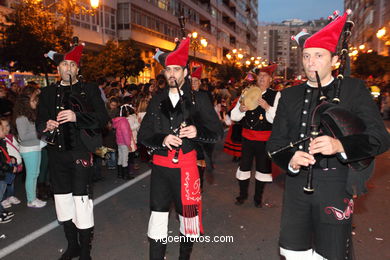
<point x="126" y="105"/>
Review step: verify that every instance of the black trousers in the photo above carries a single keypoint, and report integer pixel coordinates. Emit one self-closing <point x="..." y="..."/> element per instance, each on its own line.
<point x="255" y="149"/>
<point x="71" y="172"/>
<point x="321" y="220"/>
<point x="165" y="188"/>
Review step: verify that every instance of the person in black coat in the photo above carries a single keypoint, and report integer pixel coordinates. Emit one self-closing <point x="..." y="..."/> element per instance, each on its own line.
<point x="70" y="115"/>
<point x="318" y="225"/>
<point x="256" y="130"/>
<point x="174" y="123"/>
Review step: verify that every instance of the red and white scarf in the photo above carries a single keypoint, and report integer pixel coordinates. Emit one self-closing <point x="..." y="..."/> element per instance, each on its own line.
<point x="190" y="188"/>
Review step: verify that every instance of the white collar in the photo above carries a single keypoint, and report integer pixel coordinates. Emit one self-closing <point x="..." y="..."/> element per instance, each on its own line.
<point x="330" y="81"/>
<point x="174" y="97"/>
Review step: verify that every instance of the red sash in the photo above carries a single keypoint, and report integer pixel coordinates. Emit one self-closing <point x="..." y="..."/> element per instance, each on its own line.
<point x="254" y="135"/>
<point x="190" y="187"/>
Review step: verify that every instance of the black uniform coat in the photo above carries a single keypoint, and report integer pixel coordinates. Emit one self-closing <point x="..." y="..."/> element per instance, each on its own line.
<point x="354" y="97"/>
<point x="94" y="116"/>
<point x="162" y="118"/>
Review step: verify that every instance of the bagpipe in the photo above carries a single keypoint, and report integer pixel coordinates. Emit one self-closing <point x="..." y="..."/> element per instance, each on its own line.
<point x="331" y="119"/>
<point x="186" y="116"/>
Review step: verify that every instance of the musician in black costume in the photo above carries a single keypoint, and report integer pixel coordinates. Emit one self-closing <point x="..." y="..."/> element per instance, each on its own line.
<point x="256" y="124"/>
<point x="162" y="131"/>
<point x="69" y="114"/>
<point x="318" y="225"/>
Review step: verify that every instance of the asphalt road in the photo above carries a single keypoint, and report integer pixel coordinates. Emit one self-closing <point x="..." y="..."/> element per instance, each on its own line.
<point x="121" y="219"/>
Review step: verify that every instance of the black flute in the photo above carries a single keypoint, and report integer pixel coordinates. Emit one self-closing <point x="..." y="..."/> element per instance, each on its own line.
<point x="183" y="124"/>
<point x="175" y="159"/>
<point x="314" y="132"/>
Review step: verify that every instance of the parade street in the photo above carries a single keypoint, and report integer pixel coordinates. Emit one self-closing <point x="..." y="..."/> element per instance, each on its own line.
<point x="122" y="213"/>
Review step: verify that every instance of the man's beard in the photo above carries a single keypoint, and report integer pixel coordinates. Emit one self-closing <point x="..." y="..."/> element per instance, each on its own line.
<point x="68" y="76"/>
<point x="172" y="83"/>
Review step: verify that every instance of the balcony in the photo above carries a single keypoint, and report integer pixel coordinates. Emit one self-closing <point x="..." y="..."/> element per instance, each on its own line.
<point x="229" y="22"/>
<point x="230" y="7"/>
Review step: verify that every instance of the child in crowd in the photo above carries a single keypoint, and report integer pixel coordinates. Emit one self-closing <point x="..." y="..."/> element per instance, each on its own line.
<point x="126" y="126"/>
<point x="7" y="165"/>
<point x="12" y="146"/>
<point x="30" y="145"/>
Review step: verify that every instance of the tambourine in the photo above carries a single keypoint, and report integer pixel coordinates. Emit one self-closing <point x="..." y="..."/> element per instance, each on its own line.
<point x="250" y="97"/>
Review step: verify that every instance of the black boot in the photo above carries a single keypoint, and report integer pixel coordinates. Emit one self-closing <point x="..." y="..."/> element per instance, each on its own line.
<point x="244" y="184"/>
<point x="41" y="192"/>
<point x="71" y="235"/>
<point x="259" y="189"/>
<point x="120" y="171"/>
<point x="185" y="247"/>
<point x="156" y="250"/>
<point x="126" y="174"/>
<point x="85" y="236"/>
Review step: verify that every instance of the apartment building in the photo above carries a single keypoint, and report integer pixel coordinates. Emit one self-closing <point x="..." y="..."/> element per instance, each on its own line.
<point x="225" y="24"/>
<point x="275" y="44"/>
<point x="370" y="16"/>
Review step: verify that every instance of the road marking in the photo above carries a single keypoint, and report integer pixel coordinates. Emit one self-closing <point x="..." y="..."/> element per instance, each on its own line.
<point x="45" y="229"/>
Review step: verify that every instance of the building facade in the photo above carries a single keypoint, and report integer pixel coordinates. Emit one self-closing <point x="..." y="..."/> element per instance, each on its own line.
<point x="369" y="17"/>
<point x="275" y="44"/>
<point x="224" y="24"/>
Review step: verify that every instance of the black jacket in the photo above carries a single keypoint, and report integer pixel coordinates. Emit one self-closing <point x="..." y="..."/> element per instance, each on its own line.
<point x="92" y="117"/>
<point x="354" y="97"/>
<point x="162" y="119"/>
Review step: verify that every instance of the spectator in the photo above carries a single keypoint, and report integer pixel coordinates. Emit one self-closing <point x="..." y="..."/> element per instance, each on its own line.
<point x="13" y="151"/>
<point x="30" y="145"/>
<point x="5" y="104"/>
<point x="125" y="125"/>
<point x="7" y="164"/>
<point x="113" y="107"/>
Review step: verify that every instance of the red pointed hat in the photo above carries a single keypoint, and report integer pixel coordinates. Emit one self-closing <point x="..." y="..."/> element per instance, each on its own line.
<point x="197" y="73"/>
<point x="73" y="55"/>
<point x="328" y="37"/>
<point x="179" y="56"/>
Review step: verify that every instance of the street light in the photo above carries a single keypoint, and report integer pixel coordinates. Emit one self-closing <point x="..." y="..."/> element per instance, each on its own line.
<point x="203" y="42"/>
<point x="94" y="4"/>
<point x="381" y="32"/>
<point x="197" y="44"/>
<point x="68" y="7"/>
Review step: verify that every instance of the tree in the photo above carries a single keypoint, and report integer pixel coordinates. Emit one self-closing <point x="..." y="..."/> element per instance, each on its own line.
<point x="367" y="64"/>
<point x="227" y="71"/>
<point x="117" y="59"/>
<point x="29" y="32"/>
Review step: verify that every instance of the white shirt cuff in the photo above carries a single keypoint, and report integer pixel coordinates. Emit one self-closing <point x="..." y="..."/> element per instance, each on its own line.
<point x="344" y="156"/>
<point x="292" y="170"/>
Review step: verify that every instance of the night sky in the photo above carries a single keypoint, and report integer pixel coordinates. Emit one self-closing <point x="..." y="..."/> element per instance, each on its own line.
<point x="279" y="10"/>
